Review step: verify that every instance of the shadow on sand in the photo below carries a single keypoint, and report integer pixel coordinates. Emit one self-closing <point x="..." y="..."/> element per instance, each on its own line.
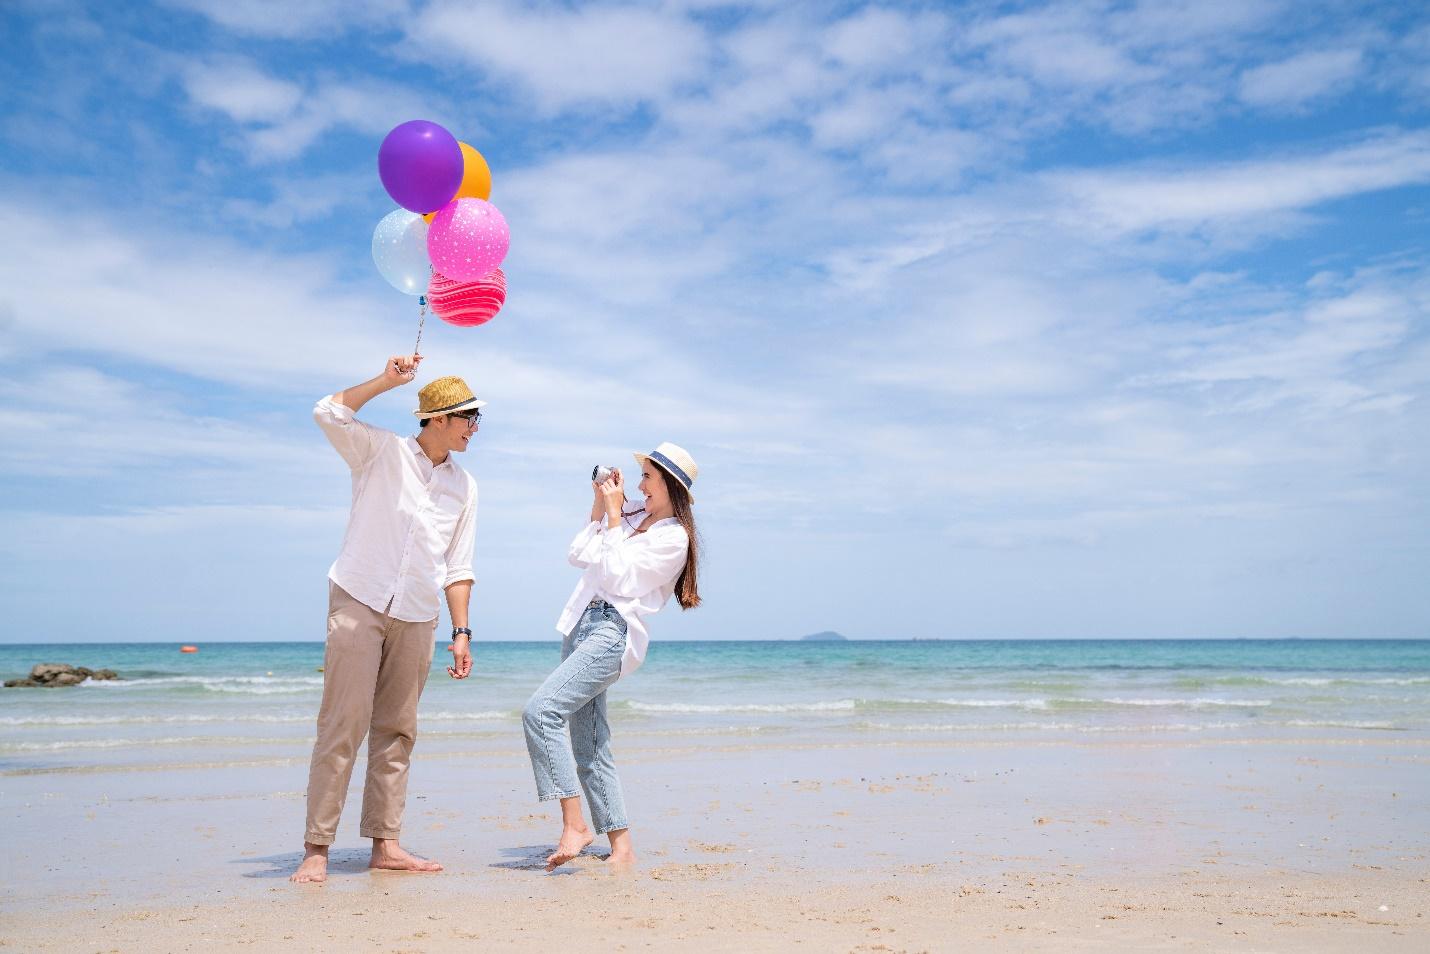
<point x="533" y="858"/>
<point x="340" y="862"/>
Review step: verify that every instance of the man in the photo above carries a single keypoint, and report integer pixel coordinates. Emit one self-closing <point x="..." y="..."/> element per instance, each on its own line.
<point x="409" y="536"/>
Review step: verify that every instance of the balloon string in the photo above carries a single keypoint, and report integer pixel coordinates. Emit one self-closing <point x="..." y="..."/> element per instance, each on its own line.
<point x="422" y="316"/>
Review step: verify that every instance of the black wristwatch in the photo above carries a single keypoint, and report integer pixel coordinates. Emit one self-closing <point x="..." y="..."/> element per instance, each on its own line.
<point x="461" y="631"/>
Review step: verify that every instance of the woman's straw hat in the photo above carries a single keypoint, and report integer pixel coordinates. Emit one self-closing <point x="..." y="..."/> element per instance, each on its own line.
<point x="447" y="395"/>
<point x="673" y="459"/>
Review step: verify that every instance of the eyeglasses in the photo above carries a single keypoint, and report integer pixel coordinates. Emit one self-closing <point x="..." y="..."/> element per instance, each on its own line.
<point x="473" y="419"/>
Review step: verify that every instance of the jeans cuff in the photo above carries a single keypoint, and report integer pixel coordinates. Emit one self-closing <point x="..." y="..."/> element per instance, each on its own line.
<point x="614" y="827"/>
<point x="555" y="795"/>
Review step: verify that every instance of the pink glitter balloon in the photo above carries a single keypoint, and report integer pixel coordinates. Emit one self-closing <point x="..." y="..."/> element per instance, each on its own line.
<point x="467" y="303"/>
<point x="467" y="239"/>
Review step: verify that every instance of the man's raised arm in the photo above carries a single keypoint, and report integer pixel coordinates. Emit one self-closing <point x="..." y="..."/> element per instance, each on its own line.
<point x="353" y="439"/>
<point x="398" y="371"/>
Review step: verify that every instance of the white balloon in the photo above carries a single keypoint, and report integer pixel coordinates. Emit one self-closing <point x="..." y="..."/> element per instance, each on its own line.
<point x="399" y="249"/>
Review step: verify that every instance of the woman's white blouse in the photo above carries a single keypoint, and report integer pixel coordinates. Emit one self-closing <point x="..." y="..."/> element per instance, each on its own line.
<point x="634" y="572"/>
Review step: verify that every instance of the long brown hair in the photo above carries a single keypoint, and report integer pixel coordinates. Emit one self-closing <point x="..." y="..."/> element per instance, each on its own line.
<point x="687" y="589"/>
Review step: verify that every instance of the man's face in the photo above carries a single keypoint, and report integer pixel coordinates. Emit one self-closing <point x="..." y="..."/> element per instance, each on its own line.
<point x="457" y="430"/>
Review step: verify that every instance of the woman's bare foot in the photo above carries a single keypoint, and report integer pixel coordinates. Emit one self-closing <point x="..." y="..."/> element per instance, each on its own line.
<point x="622" y="855"/>
<point x="573" y="842"/>
<point x="314" y="869"/>
<point x="388" y="855"/>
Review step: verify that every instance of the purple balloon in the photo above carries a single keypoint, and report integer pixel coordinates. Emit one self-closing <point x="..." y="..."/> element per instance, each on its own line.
<point x="421" y="166"/>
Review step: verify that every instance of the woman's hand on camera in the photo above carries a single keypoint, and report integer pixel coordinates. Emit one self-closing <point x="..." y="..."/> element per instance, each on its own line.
<point x="612" y="496"/>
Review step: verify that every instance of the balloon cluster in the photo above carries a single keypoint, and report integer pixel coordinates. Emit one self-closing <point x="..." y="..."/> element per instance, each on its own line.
<point x="447" y="240"/>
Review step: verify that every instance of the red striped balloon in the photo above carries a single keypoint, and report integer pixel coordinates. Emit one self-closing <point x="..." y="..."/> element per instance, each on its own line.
<point x="467" y="303"/>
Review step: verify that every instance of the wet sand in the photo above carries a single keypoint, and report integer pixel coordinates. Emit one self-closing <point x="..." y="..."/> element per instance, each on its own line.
<point x="1256" y="845"/>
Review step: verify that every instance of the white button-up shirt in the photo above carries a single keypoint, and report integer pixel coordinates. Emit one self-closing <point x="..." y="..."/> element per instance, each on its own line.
<point x="634" y="572"/>
<point x="412" y="523"/>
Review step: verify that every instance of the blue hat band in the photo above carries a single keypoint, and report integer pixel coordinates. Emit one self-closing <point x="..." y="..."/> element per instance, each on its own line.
<point x="670" y="465"/>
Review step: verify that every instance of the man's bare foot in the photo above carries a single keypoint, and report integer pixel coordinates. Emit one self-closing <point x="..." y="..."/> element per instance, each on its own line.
<point x="314" y="869"/>
<point x="573" y="842"/>
<point x="388" y="855"/>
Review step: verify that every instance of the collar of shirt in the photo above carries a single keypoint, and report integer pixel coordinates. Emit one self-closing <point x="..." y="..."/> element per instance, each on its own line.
<point x="633" y="521"/>
<point x="424" y="460"/>
<point x="662" y="522"/>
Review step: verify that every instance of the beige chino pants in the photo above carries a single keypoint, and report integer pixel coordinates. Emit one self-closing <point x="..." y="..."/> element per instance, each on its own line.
<point x="374" y="670"/>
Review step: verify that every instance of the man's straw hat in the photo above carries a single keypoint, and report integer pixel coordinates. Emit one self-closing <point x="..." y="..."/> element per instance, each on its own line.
<point x="449" y="395"/>
<point x="673" y="459"/>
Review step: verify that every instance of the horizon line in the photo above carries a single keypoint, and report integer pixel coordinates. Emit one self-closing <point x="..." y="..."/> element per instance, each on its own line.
<point x="777" y="639"/>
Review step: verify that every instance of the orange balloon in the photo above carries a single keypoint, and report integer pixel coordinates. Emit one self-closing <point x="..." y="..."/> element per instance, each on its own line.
<point x="476" y="175"/>
<point x="476" y="179"/>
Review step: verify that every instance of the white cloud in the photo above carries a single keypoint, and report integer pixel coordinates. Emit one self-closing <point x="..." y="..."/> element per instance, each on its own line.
<point x="1298" y="79"/>
<point x="935" y="157"/>
<point x="600" y="54"/>
<point x="295" y="19"/>
<point x="879" y="37"/>
<point x="1058" y="48"/>
<point x="241" y="90"/>
<point x="1132" y="199"/>
<point x="984" y="90"/>
<point x="1322" y="355"/>
<point x="112" y="425"/>
<point x="979" y="324"/>
<point x="363" y="105"/>
<point x="1073" y="58"/>
<point x="281" y="119"/>
<point x="198" y="305"/>
<point x="299" y="199"/>
<point x="774" y="73"/>
<point x="861" y="117"/>
<point x="1135" y="69"/>
<point x="1181" y="24"/>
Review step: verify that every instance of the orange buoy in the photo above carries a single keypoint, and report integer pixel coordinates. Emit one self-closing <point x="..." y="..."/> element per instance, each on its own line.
<point x="188" y="649"/>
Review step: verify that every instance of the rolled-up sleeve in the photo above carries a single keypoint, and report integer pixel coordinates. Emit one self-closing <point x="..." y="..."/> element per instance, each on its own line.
<point x="629" y="566"/>
<point x="459" y="551"/>
<point x="355" y="440"/>
<point x="583" y="548"/>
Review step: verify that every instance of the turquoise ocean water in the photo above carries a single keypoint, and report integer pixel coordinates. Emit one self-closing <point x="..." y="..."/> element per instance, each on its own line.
<point x="237" y="702"/>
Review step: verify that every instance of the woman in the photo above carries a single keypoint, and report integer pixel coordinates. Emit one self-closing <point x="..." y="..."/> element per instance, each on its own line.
<point x="631" y="564"/>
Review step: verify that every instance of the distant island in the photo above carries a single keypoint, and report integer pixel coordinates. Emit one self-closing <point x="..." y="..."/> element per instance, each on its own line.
<point x="827" y="636"/>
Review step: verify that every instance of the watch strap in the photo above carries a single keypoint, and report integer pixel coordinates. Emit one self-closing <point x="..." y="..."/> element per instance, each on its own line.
<point x="461" y="631"/>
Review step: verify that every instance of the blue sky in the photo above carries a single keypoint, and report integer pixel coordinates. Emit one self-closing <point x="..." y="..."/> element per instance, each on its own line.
<point x="1015" y="320"/>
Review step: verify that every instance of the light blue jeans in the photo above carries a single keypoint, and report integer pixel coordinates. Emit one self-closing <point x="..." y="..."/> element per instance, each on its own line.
<point x="574" y="697"/>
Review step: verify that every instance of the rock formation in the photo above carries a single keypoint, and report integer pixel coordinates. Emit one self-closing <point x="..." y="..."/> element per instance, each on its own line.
<point x="59" y="674"/>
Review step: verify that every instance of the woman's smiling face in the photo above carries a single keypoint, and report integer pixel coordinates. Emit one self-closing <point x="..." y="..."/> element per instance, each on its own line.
<point x="652" y="488"/>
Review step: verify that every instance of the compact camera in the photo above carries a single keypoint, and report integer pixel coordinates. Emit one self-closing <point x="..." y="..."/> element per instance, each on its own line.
<point x="601" y="473"/>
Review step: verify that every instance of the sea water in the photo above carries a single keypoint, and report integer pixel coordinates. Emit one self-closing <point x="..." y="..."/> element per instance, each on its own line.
<point x="236" y="702"/>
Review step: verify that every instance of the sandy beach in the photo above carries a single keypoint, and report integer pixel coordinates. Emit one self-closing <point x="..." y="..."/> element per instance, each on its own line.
<point x="1245" y="845"/>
